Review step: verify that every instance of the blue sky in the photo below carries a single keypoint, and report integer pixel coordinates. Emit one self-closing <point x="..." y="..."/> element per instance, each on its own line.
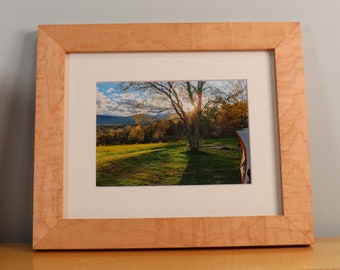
<point x="111" y="100"/>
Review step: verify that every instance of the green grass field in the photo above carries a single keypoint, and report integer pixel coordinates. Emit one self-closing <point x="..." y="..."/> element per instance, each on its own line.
<point x="159" y="164"/>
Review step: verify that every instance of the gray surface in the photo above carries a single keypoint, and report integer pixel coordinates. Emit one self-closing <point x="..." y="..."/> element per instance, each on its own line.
<point x="18" y="22"/>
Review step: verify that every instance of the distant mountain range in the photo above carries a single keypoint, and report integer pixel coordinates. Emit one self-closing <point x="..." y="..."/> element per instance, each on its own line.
<point x="111" y="120"/>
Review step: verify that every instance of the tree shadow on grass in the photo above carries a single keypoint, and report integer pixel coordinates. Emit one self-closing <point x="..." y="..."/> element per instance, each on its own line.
<point x="171" y="165"/>
<point x="153" y="168"/>
<point x="205" y="168"/>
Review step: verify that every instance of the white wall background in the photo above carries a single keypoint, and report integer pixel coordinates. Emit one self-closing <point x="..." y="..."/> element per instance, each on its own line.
<point x="18" y="23"/>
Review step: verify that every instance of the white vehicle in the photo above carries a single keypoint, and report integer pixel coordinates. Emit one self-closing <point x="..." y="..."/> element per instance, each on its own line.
<point x="243" y="135"/>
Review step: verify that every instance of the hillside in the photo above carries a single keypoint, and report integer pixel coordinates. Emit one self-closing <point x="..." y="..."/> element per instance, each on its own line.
<point x="111" y="120"/>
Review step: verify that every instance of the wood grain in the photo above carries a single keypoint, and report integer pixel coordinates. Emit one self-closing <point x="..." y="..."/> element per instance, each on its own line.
<point x="172" y="233"/>
<point x="169" y="37"/>
<point x="52" y="231"/>
<point x="293" y="133"/>
<point x="49" y="137"/>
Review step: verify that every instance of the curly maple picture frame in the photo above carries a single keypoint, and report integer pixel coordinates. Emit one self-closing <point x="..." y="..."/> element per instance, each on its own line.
<point x="51" y="230"/>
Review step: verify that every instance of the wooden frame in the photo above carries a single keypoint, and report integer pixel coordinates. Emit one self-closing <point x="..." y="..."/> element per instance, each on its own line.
<point x="52" y="231"/>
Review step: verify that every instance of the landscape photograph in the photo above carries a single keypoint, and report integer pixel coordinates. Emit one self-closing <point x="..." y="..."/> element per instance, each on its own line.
<point x="160" y="133"/>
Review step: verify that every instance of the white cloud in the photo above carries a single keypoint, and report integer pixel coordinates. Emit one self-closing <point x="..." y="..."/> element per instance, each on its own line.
<point x="110" y="90"/>
<point x="104" y="104"/>
<point x="118" y="104"/>
<point x="128" y="96"/>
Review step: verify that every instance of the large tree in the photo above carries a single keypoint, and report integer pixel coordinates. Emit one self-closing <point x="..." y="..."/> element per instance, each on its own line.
<point x="188" y="99"/>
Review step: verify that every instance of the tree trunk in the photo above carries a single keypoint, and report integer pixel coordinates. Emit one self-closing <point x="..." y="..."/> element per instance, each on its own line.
<point x="194" y="140"/>
<point x="194" y="143"/>
<point x="192" y="134"/>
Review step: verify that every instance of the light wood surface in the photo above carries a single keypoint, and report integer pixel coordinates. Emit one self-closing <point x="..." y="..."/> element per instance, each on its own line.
<point x="52" y="231"/>
<point x="324" y="254"/>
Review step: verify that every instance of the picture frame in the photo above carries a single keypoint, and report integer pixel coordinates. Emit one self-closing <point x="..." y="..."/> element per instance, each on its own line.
<point x="52" y="231"/>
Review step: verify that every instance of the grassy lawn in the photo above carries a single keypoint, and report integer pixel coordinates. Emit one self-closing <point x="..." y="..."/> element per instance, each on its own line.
<point x="169" y="164"/>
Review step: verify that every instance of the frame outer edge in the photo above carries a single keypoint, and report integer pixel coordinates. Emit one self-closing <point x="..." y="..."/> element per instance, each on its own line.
<point x="293" y="133"/>
<point x="145" y="37"/>
<point x="51" y="230"/>
<point x="49" y="137"/>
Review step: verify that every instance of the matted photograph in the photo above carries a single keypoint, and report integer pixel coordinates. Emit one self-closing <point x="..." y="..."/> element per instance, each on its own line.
<point x="160" y="133"/>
